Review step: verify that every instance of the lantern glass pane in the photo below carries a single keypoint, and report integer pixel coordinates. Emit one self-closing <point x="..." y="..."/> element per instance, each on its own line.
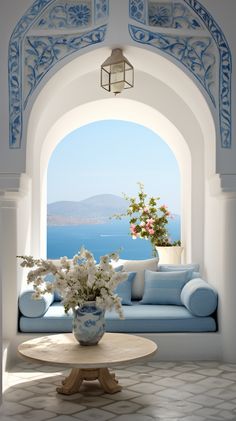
<point x="105" y="78"/>
<point x="127" y="66"/>
<point x="129" y="77"/>
<point x="117" y="77"/>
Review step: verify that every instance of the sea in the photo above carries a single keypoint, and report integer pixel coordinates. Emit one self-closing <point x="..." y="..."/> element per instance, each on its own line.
<point x="101" y="239"/>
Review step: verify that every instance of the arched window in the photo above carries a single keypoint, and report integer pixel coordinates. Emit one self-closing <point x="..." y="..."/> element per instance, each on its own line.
<point x="87" y="174"/>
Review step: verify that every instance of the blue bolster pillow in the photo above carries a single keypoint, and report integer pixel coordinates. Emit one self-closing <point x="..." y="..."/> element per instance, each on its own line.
<point x="199" y="297"/>
<point x="34" y="308"/>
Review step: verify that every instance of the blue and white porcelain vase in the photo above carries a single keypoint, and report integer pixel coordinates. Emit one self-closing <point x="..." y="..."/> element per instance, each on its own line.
<point x="89" y="323"/>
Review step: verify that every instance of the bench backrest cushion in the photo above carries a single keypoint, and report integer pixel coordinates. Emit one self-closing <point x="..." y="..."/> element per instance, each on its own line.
<point x="139" y="266"/>
<point x="164" y="287"/>
<point x="124" y="289"/>
<point x="168" y="267"/>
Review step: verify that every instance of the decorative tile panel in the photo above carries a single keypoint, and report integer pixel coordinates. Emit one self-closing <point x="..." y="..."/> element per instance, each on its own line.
<point x="191" y="15"/>
<point x="47" y="50"/>
<point x="70" y="14"/>
<point x="137" y="10"/>
<point x="43" y="52"/>
<point x="172" y="15"/>
<point x="196" y="54"/>
<point x="77" y="14"/>
<point x="15" y="73"/>
<point x="225" y="71"/>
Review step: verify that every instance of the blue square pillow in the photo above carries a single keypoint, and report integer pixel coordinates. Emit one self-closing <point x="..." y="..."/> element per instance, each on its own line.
<point x="124" y="289"/>
<point x="164" y="287"/>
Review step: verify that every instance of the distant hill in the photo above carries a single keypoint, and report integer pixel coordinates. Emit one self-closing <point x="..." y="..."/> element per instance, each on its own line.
<point x="94" y="210"/>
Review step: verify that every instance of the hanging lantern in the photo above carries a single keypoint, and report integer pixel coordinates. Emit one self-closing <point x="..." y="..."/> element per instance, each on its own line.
<point x="117" y="73"/>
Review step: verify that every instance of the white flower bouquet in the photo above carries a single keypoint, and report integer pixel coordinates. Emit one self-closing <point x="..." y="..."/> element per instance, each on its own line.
<point x="79" y="280"/>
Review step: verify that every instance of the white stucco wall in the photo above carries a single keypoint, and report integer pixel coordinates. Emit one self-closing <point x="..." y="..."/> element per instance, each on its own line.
<point x="162" y="93"/>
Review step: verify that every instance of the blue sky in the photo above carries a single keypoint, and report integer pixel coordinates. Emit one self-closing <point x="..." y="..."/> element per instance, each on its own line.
<point x="111" y="156"/>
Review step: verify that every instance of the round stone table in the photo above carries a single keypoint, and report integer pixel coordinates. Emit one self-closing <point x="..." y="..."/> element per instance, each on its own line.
<point x="88" y="362"/>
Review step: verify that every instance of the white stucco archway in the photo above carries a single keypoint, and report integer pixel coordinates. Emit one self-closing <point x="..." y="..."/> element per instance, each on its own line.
<point x="178" y="112"/>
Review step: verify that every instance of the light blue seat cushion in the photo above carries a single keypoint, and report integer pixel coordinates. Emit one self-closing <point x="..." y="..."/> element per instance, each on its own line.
<point x="138" y="318"/>
<point x="158" y="318"/>
<point x="34" y="308"/>
<point x="164" y="287"/>
<point x="124" y="289"/>
<point x="54" y="320"/>
<point x="199" y="297"/>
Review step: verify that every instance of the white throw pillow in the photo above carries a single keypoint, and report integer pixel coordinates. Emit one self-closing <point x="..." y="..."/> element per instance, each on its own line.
<point x="139" y="266"/>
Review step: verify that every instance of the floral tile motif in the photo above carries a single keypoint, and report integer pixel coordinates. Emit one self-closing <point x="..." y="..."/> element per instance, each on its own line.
<point x="81" y="14"/>
<point x="196" y="54"/>
<point x="77" y="14"/>
<point x="48" y="15"/>
<point x="137" y="10"/>
<point x="101" y="9"/>
<point x="190" y="15"/>
<point x="69" y="14"/>
<point x="172" y="15"/>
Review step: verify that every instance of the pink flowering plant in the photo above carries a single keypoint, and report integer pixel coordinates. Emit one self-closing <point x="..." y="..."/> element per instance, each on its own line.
<point x="148" y="219"/>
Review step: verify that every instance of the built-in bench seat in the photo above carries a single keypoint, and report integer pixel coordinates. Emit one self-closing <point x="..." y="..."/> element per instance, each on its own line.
<point x="162" y="298"/>
<point x="138" y="318"/>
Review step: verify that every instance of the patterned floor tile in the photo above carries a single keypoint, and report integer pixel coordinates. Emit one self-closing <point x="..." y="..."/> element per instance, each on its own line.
<point x="12" y="408"/>
<point x="144" y="388"/>
<point x="225" y="394"/>
<point x="162" y="365"/>
<point x="227" y="405"/>
<point x="124" y="395"/>
<point x="94" y="414"/>
<point x="34" y="415"/>
<point x="193" y="418"/>
<point x="227" y="367"/>
<point x="153" y="391"/>
<point x="190" y="377"/>
<point x="62" y="418"/>
<point x="169" y="382"/>
<point x="213" y="382"/>
<point x="5" y="418"/>
<point x="175" y="394"/>
<point x="205" y="400"/>
<point x="123" y="407"/>
<point x="227" y="415"/>
<point x="209" y="371"/>
<point x="16" y="395"/>
<point x="141" y="368"/>
<point x="165" y="373"/>
<point x="134" y="418"/>
<point x="207" y="412"/>
<point x="56" y="405"/>
<point x="230" y="376"/>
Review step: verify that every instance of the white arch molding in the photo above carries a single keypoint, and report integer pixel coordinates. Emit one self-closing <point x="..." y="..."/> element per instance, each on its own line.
<point x="164" y="99"/>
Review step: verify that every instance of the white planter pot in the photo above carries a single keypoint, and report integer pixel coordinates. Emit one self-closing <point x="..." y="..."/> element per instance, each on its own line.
<point x="171" y="255"/>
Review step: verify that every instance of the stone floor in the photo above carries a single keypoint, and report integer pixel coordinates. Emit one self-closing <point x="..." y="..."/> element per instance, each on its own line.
<point x="152" y="391"/>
